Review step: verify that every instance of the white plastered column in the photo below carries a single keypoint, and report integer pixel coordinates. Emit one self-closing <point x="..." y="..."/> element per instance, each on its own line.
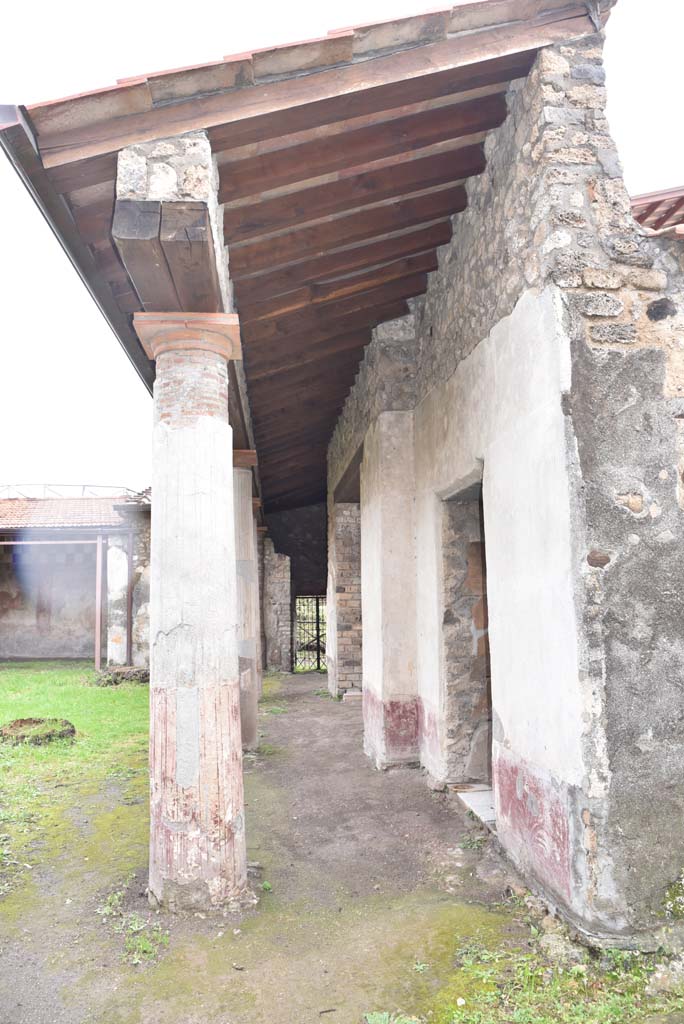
<point x="248" y="621"/>
<point x="391" y="712"/>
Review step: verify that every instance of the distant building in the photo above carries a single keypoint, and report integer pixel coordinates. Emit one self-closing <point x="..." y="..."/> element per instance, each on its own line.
<point x="74" y="578"/>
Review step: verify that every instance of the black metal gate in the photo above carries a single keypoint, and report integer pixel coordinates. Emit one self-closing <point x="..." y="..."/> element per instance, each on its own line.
<point x="309" y="646"/>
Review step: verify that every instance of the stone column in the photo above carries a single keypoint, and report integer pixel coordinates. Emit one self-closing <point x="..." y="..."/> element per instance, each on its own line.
<point x="391" y="710"/>
<point x="197" y="831"/>
<point x="247" y="584"/>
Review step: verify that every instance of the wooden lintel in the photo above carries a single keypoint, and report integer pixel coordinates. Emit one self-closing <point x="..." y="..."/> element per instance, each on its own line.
<point x="168" y="252"/>
<point x="244" y="458"/>
<point x="187" y="243"/>
<point x="135" y="230"/>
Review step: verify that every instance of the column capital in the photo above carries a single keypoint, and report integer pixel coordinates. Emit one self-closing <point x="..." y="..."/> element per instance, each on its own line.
<point x="189" y="332"/>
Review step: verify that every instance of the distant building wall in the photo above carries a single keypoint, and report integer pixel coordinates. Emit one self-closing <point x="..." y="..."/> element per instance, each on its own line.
<point x="47" y="592"/>
<point x="47" y="601"/>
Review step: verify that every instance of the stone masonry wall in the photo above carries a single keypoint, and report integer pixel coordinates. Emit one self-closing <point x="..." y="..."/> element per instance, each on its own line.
<point x="385" y="381"/>
<point x="260" y="567"/>
<point x="344" y="599"/>
<point x="277" y="609"/>
<point x="551" y="210"/>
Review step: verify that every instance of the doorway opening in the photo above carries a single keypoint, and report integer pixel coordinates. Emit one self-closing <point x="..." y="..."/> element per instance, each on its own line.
<point x="309" y="634"/>
<point x="465" y="642"/>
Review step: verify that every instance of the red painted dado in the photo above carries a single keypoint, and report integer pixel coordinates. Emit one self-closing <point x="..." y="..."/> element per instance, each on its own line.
<point x="533" y="818"/>
<point x="391" y="728"/>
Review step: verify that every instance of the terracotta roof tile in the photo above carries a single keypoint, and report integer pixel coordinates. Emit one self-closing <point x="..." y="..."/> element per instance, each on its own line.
<point x="59" y="513"/>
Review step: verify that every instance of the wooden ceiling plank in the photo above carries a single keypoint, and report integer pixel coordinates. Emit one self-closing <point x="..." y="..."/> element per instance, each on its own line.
<point x="276" y="430"/>
<point x="317" y="295"/>
<point x="297" y="443"/>
<point x="291" y="375"/>
<point x="93" y="221"/>
<point x="299" y="404"/>
<point x="306" y="354"/>
<point x="366" y="304"/>
<point x="360" y="319"/>
<point x="313" y="99"/>
<point x="367" y="224"/>
<point x="340" y="261"/>
<point x="83" y="173"/>
<point x="378" y="100"/>
<point x="390" y="138"/>
<point x="305" y="494"/>
<point x="263" y="147"/>
<point x="396" y="179"/>
<point x="301" y="475"/>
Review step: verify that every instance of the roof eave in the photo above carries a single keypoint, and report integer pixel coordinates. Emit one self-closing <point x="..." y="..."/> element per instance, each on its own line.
<point x="18" y="142"/>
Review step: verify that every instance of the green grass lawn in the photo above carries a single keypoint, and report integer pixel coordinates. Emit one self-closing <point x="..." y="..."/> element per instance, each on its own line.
<point x="40" y="784"/>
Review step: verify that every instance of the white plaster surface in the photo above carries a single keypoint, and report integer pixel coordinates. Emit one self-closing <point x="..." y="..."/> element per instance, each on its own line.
<point x="499" y="418"/>
<point x="193" y="586"/>
<point x="388" y="563"/>
<point x="247" y="604"/>
<point x="117" y="586"/>
<point x="481" y="802"/>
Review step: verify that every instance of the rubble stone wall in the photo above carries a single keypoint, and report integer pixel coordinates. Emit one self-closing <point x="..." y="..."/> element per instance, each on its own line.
<point x="277" y="609"/>
<point x="548" y="361"/>
<point x="344" y="629"/>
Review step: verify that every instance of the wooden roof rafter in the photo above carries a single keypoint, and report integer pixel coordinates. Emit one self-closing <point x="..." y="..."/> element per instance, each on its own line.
<point x="660" y="210"/>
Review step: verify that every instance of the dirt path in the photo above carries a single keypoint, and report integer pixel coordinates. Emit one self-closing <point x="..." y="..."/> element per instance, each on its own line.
<point x="370" y="891"/>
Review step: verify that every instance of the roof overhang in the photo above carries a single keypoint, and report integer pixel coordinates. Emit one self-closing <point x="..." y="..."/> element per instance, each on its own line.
<point x="341" y="163"/>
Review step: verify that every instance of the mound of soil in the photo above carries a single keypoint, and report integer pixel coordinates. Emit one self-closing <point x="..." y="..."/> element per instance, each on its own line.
<point x="37" y="730"/>
<point x="114" y="675"/>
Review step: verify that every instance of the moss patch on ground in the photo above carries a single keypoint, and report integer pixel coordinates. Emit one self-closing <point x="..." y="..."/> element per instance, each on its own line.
<point x="40" y="786"/>
<point x="272" y="685"/>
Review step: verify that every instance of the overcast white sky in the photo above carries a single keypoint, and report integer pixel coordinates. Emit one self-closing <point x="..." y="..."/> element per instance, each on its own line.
<point x="72" y="409"/>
